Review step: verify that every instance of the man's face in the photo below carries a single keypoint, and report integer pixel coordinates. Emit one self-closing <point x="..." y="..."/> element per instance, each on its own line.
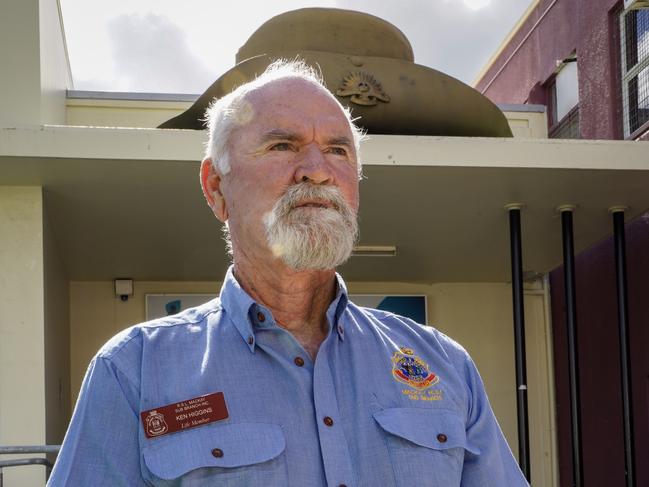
<point x="288" y="163"/>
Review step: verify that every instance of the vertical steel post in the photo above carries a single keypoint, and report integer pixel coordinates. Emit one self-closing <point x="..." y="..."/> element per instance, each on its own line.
<point x="625" y="356"/>
<point x="571" y="326"/>
<point x="519" y="338"/>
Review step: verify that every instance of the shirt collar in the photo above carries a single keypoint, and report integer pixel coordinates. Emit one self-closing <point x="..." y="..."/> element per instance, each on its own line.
<point x="247" y="315"/>
<point x="337" y="306"/>
<point x="237" y="303"/>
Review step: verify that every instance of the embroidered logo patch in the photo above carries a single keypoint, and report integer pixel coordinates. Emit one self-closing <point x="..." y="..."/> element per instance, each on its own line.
<point x="410" y="369"/>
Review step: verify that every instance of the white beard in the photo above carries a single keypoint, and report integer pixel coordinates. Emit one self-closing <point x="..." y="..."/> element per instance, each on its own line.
<point x="311" y="238"/>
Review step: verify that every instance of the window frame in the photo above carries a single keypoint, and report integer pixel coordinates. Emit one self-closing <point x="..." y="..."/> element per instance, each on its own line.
<point x="628" y="74"/>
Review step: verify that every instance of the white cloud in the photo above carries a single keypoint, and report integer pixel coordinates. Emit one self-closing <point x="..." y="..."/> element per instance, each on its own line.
<point x="449" y="36"/>
<point x="476" y="4"/>
<point x="169" y="46"/>
<point x="151" y="54"/>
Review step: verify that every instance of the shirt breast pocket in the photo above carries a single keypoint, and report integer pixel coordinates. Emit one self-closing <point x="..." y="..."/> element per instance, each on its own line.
<point x="426" y="446"/>
<point x="235" y="454"/>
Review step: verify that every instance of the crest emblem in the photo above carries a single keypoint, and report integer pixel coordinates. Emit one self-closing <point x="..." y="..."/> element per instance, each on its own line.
<point x="363" y="88"/>
<point x="155" y="424"/>
<point x="410" y="369"/>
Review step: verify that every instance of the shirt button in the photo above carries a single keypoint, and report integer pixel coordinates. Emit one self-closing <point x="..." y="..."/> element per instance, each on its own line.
<point x="217" y="453"/>
<point x="341" y="330"/>
<point x="299" y="361"/>
<point x="442" y="438"/>
<point x="250" y="340"/>
<point x="342" y="485"/>
<point x="261" y="317"/>
<point x="328" y="421"/>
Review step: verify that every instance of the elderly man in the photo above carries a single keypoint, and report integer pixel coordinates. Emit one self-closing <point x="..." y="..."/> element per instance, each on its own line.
<point x="282" y="380"/>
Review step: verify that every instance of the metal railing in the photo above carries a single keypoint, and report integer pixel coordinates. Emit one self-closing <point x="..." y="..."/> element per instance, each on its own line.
<point x="26" y="450"/>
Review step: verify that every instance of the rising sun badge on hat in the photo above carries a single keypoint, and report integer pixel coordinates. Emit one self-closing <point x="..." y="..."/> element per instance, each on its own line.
<point x="412" y="370"/>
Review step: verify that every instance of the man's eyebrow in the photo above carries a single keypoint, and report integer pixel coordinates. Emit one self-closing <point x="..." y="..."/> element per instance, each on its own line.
<point x="279" y="134"/>
<point x="340" y="140"/>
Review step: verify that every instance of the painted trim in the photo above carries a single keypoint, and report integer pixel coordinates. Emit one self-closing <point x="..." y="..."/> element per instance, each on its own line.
<point x="518" y="47"/>
<point x="121" y="95"/>
<point x="505" y="42"/>
<point x="524" y="107"/>
<point x="65" y="46"/>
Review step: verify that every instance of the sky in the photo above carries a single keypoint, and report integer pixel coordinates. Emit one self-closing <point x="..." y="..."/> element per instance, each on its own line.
<point x="171" y="46"/>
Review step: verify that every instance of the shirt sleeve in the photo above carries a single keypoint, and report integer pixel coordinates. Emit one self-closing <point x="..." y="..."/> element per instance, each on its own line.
<point x="488" y="460"/>
<point x="101" y="445"/>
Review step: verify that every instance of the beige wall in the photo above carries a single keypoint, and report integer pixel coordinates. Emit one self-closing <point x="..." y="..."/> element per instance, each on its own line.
<point x="57" y="337"/>
<point x="477" y="315"/>
<point x="34" y="63"/>
<point x="22" y="391"/>
<point x="55" y="76"/>
<point x="122" y="113"/>
<point x="530" y="125"/>
<point x="100" y="112"/>
<point x="19" y="51"/>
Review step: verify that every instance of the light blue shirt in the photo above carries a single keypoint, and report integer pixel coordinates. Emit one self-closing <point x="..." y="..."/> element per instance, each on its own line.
<point x="387" y="402"/>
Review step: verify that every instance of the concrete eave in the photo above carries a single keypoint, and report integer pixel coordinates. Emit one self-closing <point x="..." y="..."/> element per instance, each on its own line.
<point x="126" y="202"/>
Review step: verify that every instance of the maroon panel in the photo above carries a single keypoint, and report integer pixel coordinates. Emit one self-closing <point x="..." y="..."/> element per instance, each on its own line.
<point x="601" y="400"/>
<point x="588" y="26"/>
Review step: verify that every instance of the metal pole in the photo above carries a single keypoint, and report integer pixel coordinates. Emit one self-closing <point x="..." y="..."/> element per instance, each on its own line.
<point x="519" y="338"/>
<point x="625" y="356"/>
<point x="571" y="326"/>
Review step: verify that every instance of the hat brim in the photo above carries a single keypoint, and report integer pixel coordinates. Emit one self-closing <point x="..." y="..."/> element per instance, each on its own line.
<point x="422" y="100"/>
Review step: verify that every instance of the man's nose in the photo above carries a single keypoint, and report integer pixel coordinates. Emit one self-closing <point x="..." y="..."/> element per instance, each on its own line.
<point x="313" y="166"/>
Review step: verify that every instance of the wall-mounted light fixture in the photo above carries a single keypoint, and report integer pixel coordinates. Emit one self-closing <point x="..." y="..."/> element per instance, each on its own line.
<point x="374" y="251"/>
<point x="123" y="288"/>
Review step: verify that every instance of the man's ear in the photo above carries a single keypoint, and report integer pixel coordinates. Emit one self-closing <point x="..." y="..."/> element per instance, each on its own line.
<point x="211" y="184"/>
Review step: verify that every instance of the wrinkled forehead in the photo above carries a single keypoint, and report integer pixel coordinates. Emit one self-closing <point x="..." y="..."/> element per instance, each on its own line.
<point x="295" y="100"/>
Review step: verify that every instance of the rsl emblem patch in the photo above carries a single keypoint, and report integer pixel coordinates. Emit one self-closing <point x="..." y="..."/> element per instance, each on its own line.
<point x="410" y="369"/>
<point x="155" y="424"/>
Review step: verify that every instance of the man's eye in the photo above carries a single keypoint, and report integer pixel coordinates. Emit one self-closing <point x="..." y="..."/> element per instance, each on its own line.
<point x="282" y="146"/>
<point x="339" y="151"/>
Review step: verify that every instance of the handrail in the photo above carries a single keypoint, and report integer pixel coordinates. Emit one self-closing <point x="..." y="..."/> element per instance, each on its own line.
<point x="10" y="450"/>
<point x="26" y="449"/>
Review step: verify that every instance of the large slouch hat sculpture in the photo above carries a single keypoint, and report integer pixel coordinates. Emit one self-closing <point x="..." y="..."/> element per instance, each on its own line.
<point x="368" y="64"/>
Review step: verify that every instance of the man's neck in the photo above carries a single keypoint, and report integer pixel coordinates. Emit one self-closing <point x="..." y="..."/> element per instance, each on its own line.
<point x="298" y="299"/>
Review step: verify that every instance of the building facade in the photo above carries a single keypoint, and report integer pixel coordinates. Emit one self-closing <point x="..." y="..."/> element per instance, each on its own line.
<point x="588" y="62"/>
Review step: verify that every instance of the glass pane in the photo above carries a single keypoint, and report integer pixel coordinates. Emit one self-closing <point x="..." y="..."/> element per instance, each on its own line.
<point x="642" y="33"/>
<point x="568" y="128"/>
<point x="636" y="29"/>
<point x="639" y="100"/>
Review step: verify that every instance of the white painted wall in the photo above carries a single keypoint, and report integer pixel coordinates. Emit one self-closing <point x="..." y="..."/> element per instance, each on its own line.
<point x="22" y="391"/>
<point x="478" y="315"/>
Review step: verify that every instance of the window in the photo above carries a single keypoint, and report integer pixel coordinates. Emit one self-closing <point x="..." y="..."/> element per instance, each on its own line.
<point x="564" y="101"/>
<point x="634" y="29"/>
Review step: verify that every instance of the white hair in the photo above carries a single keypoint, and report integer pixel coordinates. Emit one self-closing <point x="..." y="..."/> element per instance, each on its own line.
<point x="232" y="110"/>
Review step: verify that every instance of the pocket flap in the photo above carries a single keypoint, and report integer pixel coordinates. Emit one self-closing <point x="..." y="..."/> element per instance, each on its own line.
<point x="438" y="429"/>
<point x="171" y="456"/>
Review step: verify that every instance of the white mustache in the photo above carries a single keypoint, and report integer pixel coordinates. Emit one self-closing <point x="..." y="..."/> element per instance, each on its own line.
<point x="305" y="192"/>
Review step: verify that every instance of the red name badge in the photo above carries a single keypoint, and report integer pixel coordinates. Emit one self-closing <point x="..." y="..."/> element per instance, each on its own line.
<point x="184" y="415"/>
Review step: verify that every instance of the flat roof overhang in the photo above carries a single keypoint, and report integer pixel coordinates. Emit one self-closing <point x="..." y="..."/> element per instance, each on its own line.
<point x="127" y="202"/>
